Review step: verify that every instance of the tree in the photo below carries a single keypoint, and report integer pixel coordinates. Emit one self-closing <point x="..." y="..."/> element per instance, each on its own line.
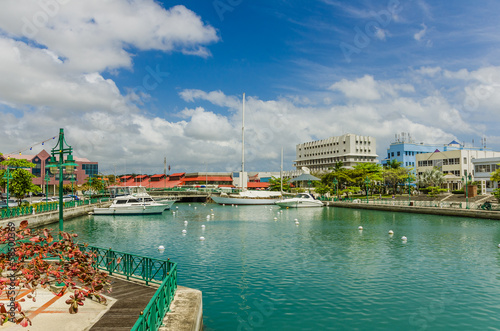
<point x="275" y="184"/>
<point x="495" y="176"/>
<point x="23" y="258"/>
<point x="21" y="183"/>
<point x="396" y="176"/>
<point x="431" y="177"/>
<point x="394" y="164"/>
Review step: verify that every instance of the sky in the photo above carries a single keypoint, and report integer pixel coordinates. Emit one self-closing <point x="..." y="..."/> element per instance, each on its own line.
<point x="135" y="81"/>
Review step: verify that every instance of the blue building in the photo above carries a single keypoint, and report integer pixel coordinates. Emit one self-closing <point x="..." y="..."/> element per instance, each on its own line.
<point x="404" y="150"/>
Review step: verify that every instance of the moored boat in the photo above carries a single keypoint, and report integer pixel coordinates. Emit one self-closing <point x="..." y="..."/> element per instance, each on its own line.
<point x="302" y="200"/>
<point x="248" y="198"/>
<point x="131" y="205"/>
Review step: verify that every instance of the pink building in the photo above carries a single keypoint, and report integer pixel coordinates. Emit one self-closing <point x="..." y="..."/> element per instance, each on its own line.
<point x="84" y="170"/>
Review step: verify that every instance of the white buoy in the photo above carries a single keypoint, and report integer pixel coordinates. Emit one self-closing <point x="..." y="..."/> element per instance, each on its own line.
<point x="296" y="222"/>
<point x="275" y="218"/>
<point x="498" y="245"/>
<point x="184" y="231"/>
<point x="176" y="207"/>
<point x="195" y="207"/>
<point x="232" y="205"/>
<point x="189" y="205"/>
<point x="391" y="232"/>
<point x="203" y="226"/>
<point x="185" y="222"/>
<point x="212" y="215"/>
<point x="161" y="248"/>
<point x="202" y="238"/>
<point x="211" y="210"/>
<point x="403" y="238"/>
<point x="360" y="228"/>
<point x="236" y="206"/>
<point x="208" y="216"/>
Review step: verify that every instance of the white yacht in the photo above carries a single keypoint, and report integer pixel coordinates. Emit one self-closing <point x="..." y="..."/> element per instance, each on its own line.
<point x="140" y="193"/>
<point x="248" y="198"/>
<point x="131" y="205"/>
<point x="301" y="200"/>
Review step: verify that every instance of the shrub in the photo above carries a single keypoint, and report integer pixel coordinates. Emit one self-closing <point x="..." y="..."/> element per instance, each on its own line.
<point x="24" y="259"/>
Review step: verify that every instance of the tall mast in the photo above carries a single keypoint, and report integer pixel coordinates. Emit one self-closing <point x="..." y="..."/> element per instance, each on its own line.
<point x="243" y="145"/>
<point x="281" y="171"/>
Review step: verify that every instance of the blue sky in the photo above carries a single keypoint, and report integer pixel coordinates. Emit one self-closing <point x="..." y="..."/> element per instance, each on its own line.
<point x="135" y="81"/>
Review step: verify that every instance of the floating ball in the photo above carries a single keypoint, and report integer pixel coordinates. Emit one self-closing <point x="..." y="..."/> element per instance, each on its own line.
<point x="184" y="231"/>
<point x="360" y="228"/>
<point x="203" y="226"/>
<point x="161" y="248"/>
<point x="403" y="238"/>
<point x="202" y="238"/>
<point x="391" y="232"/>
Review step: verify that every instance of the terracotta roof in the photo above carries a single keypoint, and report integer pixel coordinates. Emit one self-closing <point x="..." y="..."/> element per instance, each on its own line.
<point x="208" y="179"/>
<point x="159" y="175"/>
<point x="257" y="184"/>
<point x="178" y="174"/>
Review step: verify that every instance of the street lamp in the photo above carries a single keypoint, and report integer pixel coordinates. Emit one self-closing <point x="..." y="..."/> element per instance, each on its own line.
<point x="409" y="188"/>
<point x="466" y="181"/>
<point x="335" y="183"/>
<point x="72" y="184"/>
<point x="47" y="180"/>
<point x="54" y="165"/>
<point x="367" y="181"/>
<point x="8" y="177"/>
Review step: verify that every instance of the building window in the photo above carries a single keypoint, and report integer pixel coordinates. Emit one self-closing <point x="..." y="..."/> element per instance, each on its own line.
<point x="392" y="153"/>
<point x="465" y="160"/>
<point x="399" y="153"/>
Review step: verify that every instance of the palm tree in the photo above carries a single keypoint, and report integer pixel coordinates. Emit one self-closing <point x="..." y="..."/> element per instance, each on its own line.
<point x="431" y="177"/>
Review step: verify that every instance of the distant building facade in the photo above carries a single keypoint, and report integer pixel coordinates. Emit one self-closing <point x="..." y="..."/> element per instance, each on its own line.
<point x="84" y="170"/>
<point x="454" y="164"/>
<point x="482" y="173"/>
<point x="404" y="149"/>
<point x="321" y="155"/>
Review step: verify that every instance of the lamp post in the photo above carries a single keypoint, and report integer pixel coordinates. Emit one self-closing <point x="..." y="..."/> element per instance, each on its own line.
<point x="8" y="177"/>
<point x="90" y="188"/>
<point x="409" y="188"/>
<point x="57" y="164"/>
<point x="466" y="181"/>
<point x="335" y="183"/>
<point x="47" y="180"/>
<point x="72" y="184"/>
<point x="367" y="181"/>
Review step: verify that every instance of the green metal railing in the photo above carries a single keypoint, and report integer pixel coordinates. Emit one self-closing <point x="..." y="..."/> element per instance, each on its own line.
<point x="163" y="272"/>
<point x="45" y="207"/>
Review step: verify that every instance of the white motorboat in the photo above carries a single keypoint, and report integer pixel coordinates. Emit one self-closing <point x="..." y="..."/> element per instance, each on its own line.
<point x="248" y="198"/>
<point x="140" y="193"/>
<point x="131" y="205"/>
<point x="302" y="200"/>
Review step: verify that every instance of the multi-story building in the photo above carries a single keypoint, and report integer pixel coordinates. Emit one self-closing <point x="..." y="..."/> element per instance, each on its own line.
<point x="482" y="173"/>
<point x="404" y="149"/>
<point x="321" y="155"/>
<point x="454" y="164"/>
<point x="84" y="170"/>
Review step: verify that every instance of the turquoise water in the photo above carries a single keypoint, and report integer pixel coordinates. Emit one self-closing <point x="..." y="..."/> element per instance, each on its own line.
<point x="257" y="273"/>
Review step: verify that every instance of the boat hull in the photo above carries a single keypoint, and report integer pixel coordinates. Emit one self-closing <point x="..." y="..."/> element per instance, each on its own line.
<point x="130" y="210"/>
<point x="244" y="201"/>
<point x="166" y="203"/>
<point x="295" y="203"/>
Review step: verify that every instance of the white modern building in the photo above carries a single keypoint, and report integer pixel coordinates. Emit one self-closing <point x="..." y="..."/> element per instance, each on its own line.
<point x="351" y="149"/>
<point x="454" y="164"/>
<point x="482" y="173"/>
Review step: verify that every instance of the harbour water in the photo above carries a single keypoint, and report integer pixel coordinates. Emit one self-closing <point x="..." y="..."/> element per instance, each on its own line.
<point x="261" y="273"/>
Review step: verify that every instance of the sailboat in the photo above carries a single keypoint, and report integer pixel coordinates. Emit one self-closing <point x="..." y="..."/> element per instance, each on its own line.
<point x="246" y="197"/>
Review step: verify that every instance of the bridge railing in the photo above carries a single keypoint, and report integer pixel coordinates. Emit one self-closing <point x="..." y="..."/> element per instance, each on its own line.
<point x="162" y="272"/>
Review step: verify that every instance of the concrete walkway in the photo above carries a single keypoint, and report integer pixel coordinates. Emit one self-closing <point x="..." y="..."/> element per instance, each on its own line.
<point x="50" y="312"/>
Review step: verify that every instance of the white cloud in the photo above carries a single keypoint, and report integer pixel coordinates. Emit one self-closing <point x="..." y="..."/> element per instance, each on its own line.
<point x="366" y="88"/>
<point x="216" y="97"/>
<point x="420" y="34"/>
<point x="95" y="35"/>
<point x="429" y="71"/>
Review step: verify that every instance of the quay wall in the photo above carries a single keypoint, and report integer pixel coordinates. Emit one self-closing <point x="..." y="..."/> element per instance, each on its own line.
<point x="186" y="311"/>
<point x="53" y="216"/>
<point x="474" y="213"/>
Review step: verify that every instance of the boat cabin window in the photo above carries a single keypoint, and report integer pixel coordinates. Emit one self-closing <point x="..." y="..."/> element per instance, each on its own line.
<point x="121" y="202"/>
<point x="133" y="200"/>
